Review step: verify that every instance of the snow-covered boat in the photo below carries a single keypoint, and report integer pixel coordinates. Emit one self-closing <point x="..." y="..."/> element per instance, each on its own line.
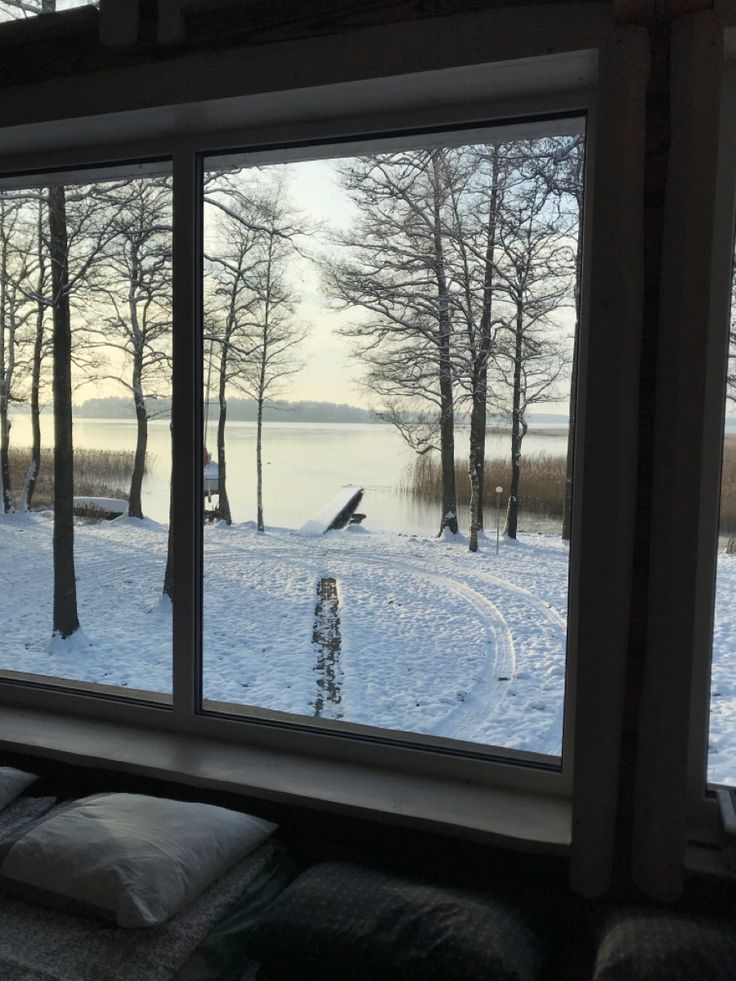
<point x="336" y="513"/>
<point x="102" y="507"/>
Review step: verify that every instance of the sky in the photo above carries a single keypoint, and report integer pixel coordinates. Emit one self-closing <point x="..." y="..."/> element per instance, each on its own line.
<point x="331" y="374"/>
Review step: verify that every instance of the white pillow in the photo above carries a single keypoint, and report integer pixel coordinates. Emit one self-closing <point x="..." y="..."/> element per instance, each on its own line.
<point x="12" y="784"/>
<point x="128" y="858"/>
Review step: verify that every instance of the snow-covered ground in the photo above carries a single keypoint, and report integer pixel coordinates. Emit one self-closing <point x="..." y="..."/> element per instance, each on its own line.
<point x="433" y="639"/>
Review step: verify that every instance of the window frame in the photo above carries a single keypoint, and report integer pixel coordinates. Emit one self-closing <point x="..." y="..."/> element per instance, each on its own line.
<point x="185" y="150"/>
<point x="676" y="819"/>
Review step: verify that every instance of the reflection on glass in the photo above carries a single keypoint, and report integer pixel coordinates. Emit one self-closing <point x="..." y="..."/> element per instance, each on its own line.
<point x="85" y="363"/>
<point x="23" y="9"/>
<point x="387" y="340"/>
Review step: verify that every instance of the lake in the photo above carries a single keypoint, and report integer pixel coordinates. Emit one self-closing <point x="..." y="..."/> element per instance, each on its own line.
<point x="305" y="464"/>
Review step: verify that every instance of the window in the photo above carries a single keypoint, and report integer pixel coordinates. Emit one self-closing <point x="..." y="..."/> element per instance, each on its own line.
<point x="321" y="129"/>
<point x="721" y="736"/>
<point x="378" y="320"/>
<point x="85" y="455"/>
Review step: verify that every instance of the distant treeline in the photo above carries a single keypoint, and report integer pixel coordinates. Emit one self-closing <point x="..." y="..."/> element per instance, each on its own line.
<point x="244" y="410"/>
<point x="238" y="410"/>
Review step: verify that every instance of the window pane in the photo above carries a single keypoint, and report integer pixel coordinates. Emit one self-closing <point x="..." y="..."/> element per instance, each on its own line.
<point x="391" y="335"/>
<point x="22" y="9"/>
<point x="722" y="733"/>
<point x="85" y="369"/>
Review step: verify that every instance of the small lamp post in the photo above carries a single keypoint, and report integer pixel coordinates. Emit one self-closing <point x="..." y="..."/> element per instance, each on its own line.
<point x="499" y="491"/>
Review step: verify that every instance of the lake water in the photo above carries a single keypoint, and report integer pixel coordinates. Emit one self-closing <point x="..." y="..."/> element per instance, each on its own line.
<point x="305" y="464"/>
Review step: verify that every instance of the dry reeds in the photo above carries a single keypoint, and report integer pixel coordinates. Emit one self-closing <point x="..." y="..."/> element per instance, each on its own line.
<point x="728" y="488"/>
<point x="542" y="483"/>
<point x="542" y="488"/>
<point x="97" y="473"/>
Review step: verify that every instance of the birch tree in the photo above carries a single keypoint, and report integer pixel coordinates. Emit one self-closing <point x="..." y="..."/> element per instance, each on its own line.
<point x="273" y="330"/>
<point x="476" y="197"/>
<point x="536" y="272"/>
<point x="134" y="284"/>
<point x="229" y="267"/>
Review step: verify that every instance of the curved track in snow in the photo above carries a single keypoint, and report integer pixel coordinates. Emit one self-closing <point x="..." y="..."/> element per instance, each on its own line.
<point x="501" y="660"/>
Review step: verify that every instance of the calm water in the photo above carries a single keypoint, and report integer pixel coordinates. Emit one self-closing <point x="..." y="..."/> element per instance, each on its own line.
<point x="304" y="466"/>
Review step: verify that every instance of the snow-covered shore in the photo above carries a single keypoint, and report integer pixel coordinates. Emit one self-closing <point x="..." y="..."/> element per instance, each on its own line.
<point x="433" y="639"/>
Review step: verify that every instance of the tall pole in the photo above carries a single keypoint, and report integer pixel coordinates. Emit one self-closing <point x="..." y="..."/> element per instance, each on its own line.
<point x="499" y="491"/>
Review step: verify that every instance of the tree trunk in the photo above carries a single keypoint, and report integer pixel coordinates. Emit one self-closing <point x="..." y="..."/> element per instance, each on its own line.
<point x="476" y="461"/>
<point x="447" y="442"/>
<point x="259" y="466"/>
<point x="5" y="390"/>
<point x="567" y="508"/>
<point x="65" y="618"/>
<point x="224" y="501"/>
<point x="447" y="407"/>
<point x="135" y="507"/>
<point x="478" y="414"/>
<point x="5" y="331"/>
<point x="35" y="465"/>
<point x="168" y="587"/>
<point x="518" y="429"/>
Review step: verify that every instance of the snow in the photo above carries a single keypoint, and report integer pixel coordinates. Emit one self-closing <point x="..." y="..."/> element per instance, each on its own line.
<point x="434" y="639"/>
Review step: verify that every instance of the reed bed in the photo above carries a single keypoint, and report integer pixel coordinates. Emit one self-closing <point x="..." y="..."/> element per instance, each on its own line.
<point x="728" y="487"/>
<point x="542" y="488"/>
<point x="97" y="473"/>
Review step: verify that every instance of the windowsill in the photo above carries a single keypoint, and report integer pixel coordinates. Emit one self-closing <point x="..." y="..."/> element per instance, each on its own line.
<point x="511" y="818"/>
<point x="707" y="860"/>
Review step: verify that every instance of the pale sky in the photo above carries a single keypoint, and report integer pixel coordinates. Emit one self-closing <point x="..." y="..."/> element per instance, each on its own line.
<point x="330" y="374"/>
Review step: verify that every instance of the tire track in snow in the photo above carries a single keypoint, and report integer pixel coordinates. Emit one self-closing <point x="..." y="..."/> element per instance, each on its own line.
<point x="487" y="693"/>
<point x="500" y="659"/>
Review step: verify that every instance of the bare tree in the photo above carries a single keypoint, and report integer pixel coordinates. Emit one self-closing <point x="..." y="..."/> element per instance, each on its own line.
<point x="536" y="272"/>
<point x="396" y="280"/>
<point x="272" y="330"/>
<point x="38" y="354"/>
<point x="476" y="197"/>
<point x="9" y="323"/>
<point x="135" y="285"/>
<point x="228" y="298"/>
<point x="78" y="232"/>
<point x="561" y="165"/>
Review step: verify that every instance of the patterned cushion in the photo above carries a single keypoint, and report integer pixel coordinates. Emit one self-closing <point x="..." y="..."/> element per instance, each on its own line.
<point x="638" y="945"/>
<point x="339" y="920"/>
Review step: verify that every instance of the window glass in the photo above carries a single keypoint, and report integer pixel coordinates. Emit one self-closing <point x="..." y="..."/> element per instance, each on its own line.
<point x="85" y="445"/>
<point x="22" y="9"/>
<point x="722" y="733"/>
<point x="388" y="352"/>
